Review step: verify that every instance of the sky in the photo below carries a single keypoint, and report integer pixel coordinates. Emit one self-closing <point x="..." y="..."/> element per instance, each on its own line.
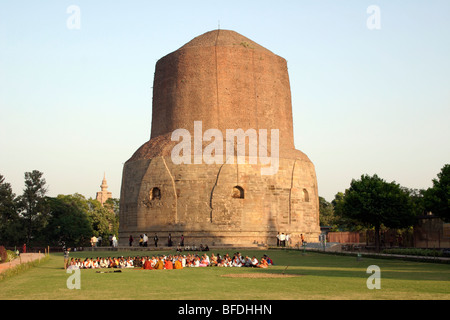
<point x="370" y="83"/>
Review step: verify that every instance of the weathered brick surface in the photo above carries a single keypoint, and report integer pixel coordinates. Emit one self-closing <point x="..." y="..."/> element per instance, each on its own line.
<point x="228" y="82"/>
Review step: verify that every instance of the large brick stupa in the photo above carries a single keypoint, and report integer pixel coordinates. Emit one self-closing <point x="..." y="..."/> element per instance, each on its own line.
<point x="220" y="80"/>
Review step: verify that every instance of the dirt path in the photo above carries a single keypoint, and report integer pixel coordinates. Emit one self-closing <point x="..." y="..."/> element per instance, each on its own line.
<point x="24" y="258"/>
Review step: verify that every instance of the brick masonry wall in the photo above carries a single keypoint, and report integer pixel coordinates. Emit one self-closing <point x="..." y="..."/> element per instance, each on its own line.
<point x="226" y="81"/>
<point x="197" y="200"/>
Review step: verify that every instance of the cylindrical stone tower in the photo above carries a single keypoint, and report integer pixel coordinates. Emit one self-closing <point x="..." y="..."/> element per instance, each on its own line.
<point x="218" y="83"/>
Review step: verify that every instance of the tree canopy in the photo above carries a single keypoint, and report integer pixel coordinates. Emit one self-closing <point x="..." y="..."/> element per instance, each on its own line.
<point x="69" y="224"/>
<point x="437" y="198"/>
<point x="373" y="202"/>
<point x="10" y="225"/>
<point x="32" y="203"/>
<point x="36" y="219"/>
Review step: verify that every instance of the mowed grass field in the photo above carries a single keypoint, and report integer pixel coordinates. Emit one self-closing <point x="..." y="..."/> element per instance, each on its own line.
<point x="317" y="277"/>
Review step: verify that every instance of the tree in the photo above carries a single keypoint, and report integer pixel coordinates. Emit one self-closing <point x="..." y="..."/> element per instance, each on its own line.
<point x="343" y="222"/>
<point x="326" y="211"/>
<point x="75" y="219"/>
<point x="33" y="205"/>
<point x="338" y="202"/>
<point x="113" y="205"/>
<point x="10" y="224"/>
<point x="102" y="219"/>
<point x="374" y="202"/>
<point x="417" y="200"/>
<point x="68" y="224"/>
<point x="437" y="198"/>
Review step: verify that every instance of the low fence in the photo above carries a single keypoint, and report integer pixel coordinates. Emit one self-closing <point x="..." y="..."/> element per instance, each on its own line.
<point x="388" y="238"/>
<point x="431" y="232"/>
<point x="36" y="249"/>
<point x="343" y="237"/>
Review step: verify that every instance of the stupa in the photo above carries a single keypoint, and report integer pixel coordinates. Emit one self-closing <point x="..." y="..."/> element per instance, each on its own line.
<point x="220" y="82"/>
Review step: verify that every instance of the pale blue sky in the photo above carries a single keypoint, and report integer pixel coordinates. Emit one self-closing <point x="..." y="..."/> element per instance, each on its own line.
<point x="77" y="103"/>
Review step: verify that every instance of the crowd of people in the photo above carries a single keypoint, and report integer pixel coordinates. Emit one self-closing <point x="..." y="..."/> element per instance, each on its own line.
<point x="176" y="261"/>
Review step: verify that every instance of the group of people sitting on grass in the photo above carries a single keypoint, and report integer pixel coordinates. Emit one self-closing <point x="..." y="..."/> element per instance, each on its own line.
<point x="176" y="261"/>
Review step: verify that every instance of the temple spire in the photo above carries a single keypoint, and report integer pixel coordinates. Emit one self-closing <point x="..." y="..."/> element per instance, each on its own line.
<point x="103" y="195"/>
<point x="104" y="185"/>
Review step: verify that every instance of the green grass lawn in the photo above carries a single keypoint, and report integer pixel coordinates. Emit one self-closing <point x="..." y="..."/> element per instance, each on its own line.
<point x="320" y="276"/>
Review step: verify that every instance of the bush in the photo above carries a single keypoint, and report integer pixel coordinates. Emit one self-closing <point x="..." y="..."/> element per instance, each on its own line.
<point x="6" y="255"/>
<point x="11" y="255"/>
<point x="3" y="254"/>
<point x="416" y="252"/>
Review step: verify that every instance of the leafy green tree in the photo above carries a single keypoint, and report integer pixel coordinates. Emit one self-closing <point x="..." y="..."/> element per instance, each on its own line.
<point x="437" y="198"/>
<point x="337" y="203"/>
<point x="343" y="222"/>
<point x="374" y="202"/>
<point x="11" y="228"/>
<point x="326" y="211"/>
<point x="103" y="219"/>
<point x="113" y="206"/>
<point x="418" y="201"/>
<point x="33" y="205"/>
<point x="68" y="224"/>
<point x="75" y="219"/>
